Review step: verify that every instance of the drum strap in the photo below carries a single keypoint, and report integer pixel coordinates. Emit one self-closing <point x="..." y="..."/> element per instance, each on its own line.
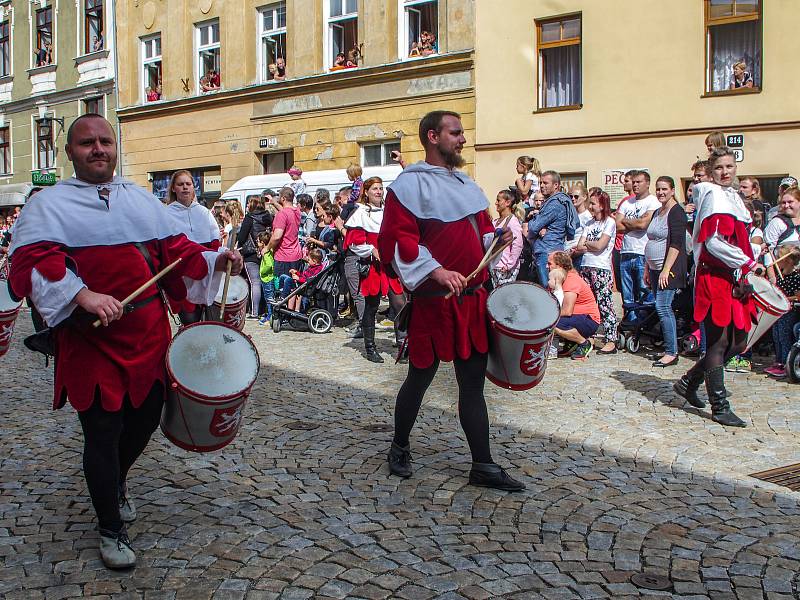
<point x="149" y="260"/>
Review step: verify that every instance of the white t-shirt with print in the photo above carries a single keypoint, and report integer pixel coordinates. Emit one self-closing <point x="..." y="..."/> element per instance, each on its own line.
<point x="633" y="242"/>
<point x="584" y="219"/>
<point x="593" y="231"/>
<point x="534" y="183"/>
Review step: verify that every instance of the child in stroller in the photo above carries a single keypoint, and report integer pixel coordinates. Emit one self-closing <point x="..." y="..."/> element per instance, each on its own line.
<point x="317" y="285"/>
<point x="647" y="326"/>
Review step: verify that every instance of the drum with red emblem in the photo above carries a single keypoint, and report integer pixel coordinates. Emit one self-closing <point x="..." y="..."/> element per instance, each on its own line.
<point x="9" y="309"/>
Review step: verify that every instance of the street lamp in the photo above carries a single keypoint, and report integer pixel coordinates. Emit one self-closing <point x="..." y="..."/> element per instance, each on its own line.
<point x="45" y="122"/>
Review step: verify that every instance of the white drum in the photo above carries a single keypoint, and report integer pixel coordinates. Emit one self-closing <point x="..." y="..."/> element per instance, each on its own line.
<point x="771" y="302"/>
<point x="9" y="309"/>
<point x="212" y="368"/>
<point x="522" y="317"/>
<point x="236" y="304"/>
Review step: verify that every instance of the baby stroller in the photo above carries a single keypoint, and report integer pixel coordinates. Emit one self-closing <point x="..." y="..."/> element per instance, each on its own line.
<point x="647" y="326"/>
<point x="319" y="301"/>
<point x="793" y="360"/>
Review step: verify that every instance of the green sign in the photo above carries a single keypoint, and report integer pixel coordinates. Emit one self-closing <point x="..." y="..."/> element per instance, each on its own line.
<point x="39" y="178"/>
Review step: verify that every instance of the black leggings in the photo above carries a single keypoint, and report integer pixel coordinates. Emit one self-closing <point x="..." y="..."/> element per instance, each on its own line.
<point x="471" y="376"/>
<point x="372" y="303"/>
<point x="722" y="343"/>
<point x="112" y="443"/>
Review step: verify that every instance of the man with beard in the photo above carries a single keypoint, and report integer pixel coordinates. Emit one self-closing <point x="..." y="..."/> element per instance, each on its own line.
<point x="434" y="233"/>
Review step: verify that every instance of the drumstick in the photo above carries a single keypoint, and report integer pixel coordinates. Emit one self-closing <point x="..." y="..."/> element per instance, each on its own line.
<point x="143" y="287"/>
<point x="486" y="260"/>
<point x="233" y="234"/>
<point x="792" y="252"/>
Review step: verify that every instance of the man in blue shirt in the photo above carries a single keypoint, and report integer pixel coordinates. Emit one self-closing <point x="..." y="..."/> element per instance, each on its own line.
<point x="552" y="219"/>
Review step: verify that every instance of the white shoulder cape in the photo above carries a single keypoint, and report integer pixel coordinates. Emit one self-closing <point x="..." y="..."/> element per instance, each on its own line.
<point x="712" y="199"/>
<point x="367" y="218"/>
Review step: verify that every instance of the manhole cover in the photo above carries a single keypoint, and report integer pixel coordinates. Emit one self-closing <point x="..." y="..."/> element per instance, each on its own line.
<point x="651" y="582"/>
<point x="788" y="476"/>
<point x="301" y="425"/>
<point x="378" y="427"/>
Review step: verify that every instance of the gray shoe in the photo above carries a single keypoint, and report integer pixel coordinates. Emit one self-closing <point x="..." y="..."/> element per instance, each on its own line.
<point x="127" y="510"/>
<point x="115" y="549"/>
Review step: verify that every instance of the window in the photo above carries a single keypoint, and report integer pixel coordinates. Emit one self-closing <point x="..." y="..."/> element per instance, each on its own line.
<point x="94" y="106"/>
<point x="379" y="154"/>
<point x="44" y="37"/>
<point x="93" y="26"/>
<point x="277" y="162"/>
<point x="570" y="179"/>
<point x="343" y="51"/>
<point x="733" y="45"/>
<point x="208" y="73"/>
<point x="559" y="49"/>
<point x="45" y="149"/>
<point x="151" y="68"/>
<point x="5" y="50"/>
<point x="272" y="36"/>
<point x="420" y="28"/>
<point x="5" y="150"/>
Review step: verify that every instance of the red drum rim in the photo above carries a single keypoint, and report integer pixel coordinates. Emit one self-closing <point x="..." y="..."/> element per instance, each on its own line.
<point x="200" y="397"/>
<point x="515" y="333"/>
<point x="233" y="306"/>
<point x="517" y="387"/>
<point x="196" y="447"/>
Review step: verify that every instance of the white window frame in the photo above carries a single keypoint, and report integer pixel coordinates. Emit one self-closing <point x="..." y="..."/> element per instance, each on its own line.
<point x="403" y="43"/>
<point x="33" y="8"/>
<point x="384" y="151"/>
<point x="144" y="61"/>
<point x="7" y="123"/>
<point x="330" y="23"/>
<point x="198" y="48"/>
<point x="35" y="139"/>
<point x="10" y="22"/>
<point x="82" y="104"/>
<point x="263" y="77"/>
<point x="81" y="29"/>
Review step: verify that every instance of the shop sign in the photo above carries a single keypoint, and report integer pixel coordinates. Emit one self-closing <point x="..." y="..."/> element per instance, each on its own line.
<point x="268" y="142"/>
<point x="612" y="184"/>
<point x="39" y="178"/>
<point x="212" y="183"/>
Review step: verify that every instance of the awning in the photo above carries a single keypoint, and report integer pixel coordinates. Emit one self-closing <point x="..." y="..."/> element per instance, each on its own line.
<point x="14" y="194"/>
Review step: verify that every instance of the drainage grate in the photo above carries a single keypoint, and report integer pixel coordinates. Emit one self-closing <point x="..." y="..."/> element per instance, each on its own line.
<point x="378" y="427"/>
<point x="302" y="425"/>
<point x="649" y="581"/>
<point x="788" y="476"/>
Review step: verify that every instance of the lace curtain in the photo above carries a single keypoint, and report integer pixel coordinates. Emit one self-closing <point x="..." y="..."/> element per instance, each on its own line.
<point x="730" y="44"/>
<point x="561" y="69"/>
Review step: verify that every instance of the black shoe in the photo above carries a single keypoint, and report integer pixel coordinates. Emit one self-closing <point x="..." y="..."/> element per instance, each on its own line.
<point x="373" y="355"/>
<point x="672" y="363"/>
<point x="720" y="407"/>
<point x="687" y="387"/>
<point x="493" y="476"/>
<point x="400" y="461"/>
<point x="357" y="334"/>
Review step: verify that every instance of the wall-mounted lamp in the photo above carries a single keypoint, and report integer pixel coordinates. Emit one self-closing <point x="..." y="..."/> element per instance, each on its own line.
<point x="45" y="122"/>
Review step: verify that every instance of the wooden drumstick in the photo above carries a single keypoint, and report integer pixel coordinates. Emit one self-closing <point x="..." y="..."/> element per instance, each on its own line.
<point x="486" y="260"/>
<point x="140" y="290"/>
<point x="792" y="252"/>
<point x="231" y="241"/>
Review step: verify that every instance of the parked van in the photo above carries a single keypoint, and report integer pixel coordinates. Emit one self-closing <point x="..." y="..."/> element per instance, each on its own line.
<point x="332" y="180"/>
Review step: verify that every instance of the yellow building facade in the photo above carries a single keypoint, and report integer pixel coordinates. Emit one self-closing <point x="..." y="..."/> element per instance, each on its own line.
<point x="592" y="88"/>
<point x="201" y="85"/>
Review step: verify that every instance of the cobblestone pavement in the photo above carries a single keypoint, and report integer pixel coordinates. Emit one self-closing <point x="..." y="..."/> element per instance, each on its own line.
<point x="622" y="479"/>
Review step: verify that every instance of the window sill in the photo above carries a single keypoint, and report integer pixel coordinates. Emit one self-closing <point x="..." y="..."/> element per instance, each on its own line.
<point x="550" y="109"/>
<point x="84" y="58"/>
<point x="51" y="68"/>
<point x="737" y="92"/>
<point x="410" y="58"/>
<point x="342" y="69"/>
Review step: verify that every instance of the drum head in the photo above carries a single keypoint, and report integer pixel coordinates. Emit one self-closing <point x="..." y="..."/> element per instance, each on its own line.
<point x="523" y="306"/>
<point x="768" y="294"/>
<point x="238" y="289"/>
<point x="212" y="360"/>
<point x="6" y="303"/>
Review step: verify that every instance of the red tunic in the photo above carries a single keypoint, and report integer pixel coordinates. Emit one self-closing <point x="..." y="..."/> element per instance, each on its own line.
<point x="128" y="356"/>
<point x="378" y="281"/>
<point x="440" y="328"/>
<point x="714" y="279"/>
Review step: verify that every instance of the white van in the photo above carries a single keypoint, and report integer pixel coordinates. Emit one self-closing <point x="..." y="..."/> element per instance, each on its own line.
<point x="332" y="180"/>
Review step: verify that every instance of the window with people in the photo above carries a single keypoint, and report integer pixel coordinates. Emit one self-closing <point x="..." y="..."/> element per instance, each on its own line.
<point x="43" y="52"/>
<point x="559" y="53"/>
<point x="93" y="26"/>
<point x="733" y="45"/>
<point x="151" y="68"/>
<point x="207" y="39"/>
<point x="272" y="33"/>
<point x="420" y="28"/>
<point x="343" y="49"/>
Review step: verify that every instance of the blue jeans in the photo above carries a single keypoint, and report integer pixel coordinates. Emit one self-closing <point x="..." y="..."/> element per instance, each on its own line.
<point x="783" y="335"/>
<point x="669" y="327"/>
<point x="540" y="264"/>
<point x="285" y="285"/>
<point x="631" y="270"/>
<point x="268" y="293"/>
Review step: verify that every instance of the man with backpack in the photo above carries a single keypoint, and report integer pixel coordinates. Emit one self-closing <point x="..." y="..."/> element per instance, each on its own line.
<point x="557" y="221"/>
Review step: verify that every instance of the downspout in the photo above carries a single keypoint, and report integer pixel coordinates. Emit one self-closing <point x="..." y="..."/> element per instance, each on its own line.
<point x="116" y="89"/>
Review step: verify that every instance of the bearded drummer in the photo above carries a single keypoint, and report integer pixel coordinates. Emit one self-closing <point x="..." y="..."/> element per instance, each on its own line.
<point x="724" y="256"/>
<point x="433" y="235"/>
<point x="198" y="224"/>
<point x="78" y="247"/>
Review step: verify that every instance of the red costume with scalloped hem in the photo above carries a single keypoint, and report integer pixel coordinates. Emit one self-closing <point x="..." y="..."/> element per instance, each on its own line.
<point x="377" y="281"/>
<point x="714" y="279"/>
<point x="443" y="328"/>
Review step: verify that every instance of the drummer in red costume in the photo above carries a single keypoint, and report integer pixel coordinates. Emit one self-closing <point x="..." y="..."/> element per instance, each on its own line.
<point x="723" y="256"/>
<point x="78" y="247"/>
<point x="434" y="233"/>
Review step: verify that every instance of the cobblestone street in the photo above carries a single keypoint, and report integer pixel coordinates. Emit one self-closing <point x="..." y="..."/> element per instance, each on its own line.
<point x="622" y="477"/>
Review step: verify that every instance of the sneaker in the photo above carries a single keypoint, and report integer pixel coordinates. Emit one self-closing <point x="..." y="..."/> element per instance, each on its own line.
<point x="385" y="324"/>
<point x="263" y="320"/>
<point x="743" y="366"/>
<point x="568" y="349"/>
<point x="127" y="510"/>
<point x="776" y="370"/>
<point x="732" y="365"/>
<point x="552" y="353"/>
<point x="345" y="312"/>
<point x="115" y="549"/>
<point x="582" y="351"/>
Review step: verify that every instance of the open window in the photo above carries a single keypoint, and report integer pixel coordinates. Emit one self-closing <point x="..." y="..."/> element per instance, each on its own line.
<point x="277" y="162"/>
<point x="44" y="52"/>
<point x="419" y="34"/>
<point x="733" y="46"/>
<point x="93" y="40"/>
<point x="343" y="50"/>
<point x="209" y="76"/>
<point x="272" y="37"/>
<point x="151" y="68"/>
<point x="558" y="43"/>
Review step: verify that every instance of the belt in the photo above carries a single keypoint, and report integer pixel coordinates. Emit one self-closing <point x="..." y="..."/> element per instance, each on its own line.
<point x="470" y="291"/>
<point x="713" y="269"/>
<point x="132" y="306"/>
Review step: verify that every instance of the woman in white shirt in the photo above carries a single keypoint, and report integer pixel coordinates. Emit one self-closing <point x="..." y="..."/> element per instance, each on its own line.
<point x="595" y="245"/>
<point x="580" y="200"/>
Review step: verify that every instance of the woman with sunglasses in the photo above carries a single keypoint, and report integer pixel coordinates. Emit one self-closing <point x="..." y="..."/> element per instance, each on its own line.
<point x="580" y="200"/>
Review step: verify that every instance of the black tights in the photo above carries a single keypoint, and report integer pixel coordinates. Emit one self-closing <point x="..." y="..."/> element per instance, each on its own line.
<point x="371" y="305"/>
<point x="471" y="376"/>
<point x="722" y="343"/>
<point x="112" y="443"/>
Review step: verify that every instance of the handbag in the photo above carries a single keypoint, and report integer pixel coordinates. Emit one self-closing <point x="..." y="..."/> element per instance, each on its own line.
<point x="364" y="265"/>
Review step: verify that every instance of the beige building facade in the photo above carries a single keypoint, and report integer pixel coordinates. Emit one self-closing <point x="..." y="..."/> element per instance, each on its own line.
<point x="230" y="88"/>
<point x="591" y="88"/>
